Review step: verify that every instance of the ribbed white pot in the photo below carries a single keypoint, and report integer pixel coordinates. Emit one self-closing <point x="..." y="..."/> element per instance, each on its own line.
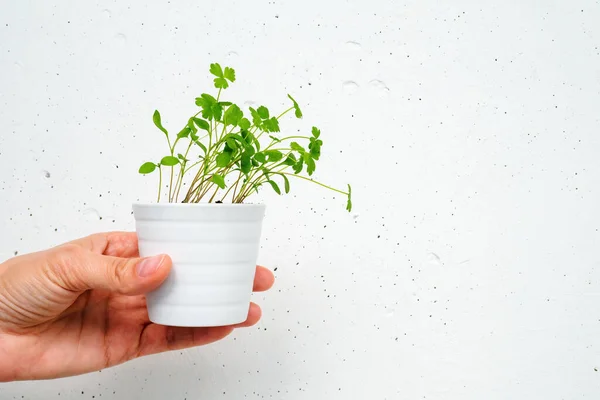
<point x="214" y="248"/>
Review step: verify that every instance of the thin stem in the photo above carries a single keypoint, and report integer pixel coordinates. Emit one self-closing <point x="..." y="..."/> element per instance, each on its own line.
<point x="286" y="138"/>
<point x="249" y="185"/>
<point x="200" y="195"/>
<point x="245" y="184"/>
<point x="159" y="182"/>
<point x="222" y="135"/>
<point x="214" y="194"/>
<point x="236" y="186"/>
<point x="279" y="149"/>
<point x="193" y="165"/>
<point x="171" y="185"/>
<point x="285" y="112"/>
<point x="313" y="181"/>
<point x="205" y="161"/>
<point x="294" y="137"/>
<point x="182" y="170"/>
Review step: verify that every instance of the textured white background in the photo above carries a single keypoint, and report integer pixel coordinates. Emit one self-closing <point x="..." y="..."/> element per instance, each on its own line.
<point x="470" y="268"/>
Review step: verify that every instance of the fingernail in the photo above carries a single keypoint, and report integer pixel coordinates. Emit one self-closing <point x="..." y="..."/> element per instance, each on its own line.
<point x="148" y="266"/>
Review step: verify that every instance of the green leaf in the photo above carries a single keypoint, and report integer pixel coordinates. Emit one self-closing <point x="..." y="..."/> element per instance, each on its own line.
<point x="260" y="157"/>
<point x="245" y="163"/>
<point x="147" y="168"/>
<point x="217" y="111"/>
<point x="298" y="166"/>
<point x="169" y="161"/>
<point x="315" y="147"/>
<point x="298" y="112"/>
<point x="290" y="160"/>
<point x="210" y="108"/>
<point x="225" y="103"/>
<point x="219" y="180"/>
<point x="223" y="159"/>
<point x="256" y="119"/>
<point x="349" y="203"/>
<point x="245" y="123"/>
<point x="250" y="150"/>
<point x="271" y="125"/>
<point x="233" y="115"/>
<point x="263" y="112"/>
<point x="202" y="124"/>
<point x="181" y="157"/>
<point x="310" y="165"/>
<point x="221" y="83"/>
<point x="286" y="183"/>
<point x="316" y="132"/>
<point x="185" y="132"/>
<point x="229" y="74"/>
<point x="216" y="70"/>
<point x="208" y="97"/>
<point x="297" y="147"/>
<point x="227" y="149"/>
<point x="158" y="123"/>
<point x="255" y="163"/>
<point x="193" y="129"/>
<point x="275" y="187"/>
<point x="250" y="139"/>
<point x="273" y="155"/>
<point x="231" y="143"/>
<point x="203" y="147"/>
<point x="236" y="137"/>
<point x="256" y="142"/>
<point x="276" y="140"/>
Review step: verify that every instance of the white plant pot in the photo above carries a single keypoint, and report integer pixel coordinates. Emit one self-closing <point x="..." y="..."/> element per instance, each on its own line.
<point x="214" y="248"/>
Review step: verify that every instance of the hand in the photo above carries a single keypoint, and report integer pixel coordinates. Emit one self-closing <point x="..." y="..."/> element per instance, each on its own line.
<point x="80" y="307"/>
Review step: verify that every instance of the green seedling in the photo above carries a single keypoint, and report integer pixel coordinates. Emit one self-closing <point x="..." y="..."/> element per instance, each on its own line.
<point x="227" y="156"/>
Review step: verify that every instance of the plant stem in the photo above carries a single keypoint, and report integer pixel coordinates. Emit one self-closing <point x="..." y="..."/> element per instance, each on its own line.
<point x="285" y="112"/>
<point x="214" y="194"/>
<point x="182" y="170"/>
<point x="249" y="185"/>
<point x="171" y="185"/>
<point x="317" y="182"/>
<point x="193" y="165"/>
<point x="243" y="188"/>
<point x="159" y="182"/>
<point x="237" y="182"/>
<point x="285" y="138"/>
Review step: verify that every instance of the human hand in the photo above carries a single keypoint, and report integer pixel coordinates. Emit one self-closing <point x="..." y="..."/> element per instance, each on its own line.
<point x="80" y="307"/>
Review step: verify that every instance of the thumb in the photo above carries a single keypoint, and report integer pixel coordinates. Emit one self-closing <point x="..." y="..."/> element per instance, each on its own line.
<point x="129" y="276"/>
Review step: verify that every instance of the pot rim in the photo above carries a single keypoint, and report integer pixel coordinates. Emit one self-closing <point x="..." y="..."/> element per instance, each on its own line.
<point x="198" y="205"/>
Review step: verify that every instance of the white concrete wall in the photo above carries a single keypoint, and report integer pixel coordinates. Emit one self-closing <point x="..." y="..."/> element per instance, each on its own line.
<point x="470" y="268"/>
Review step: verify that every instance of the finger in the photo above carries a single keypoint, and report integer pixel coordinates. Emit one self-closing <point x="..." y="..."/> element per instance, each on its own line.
<point x="263" y="279"/>
<point x="254" y="314"/>
<point x="117" y="244"/>
<point x="158" y="338"/>
<point x="79" y="270"/>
